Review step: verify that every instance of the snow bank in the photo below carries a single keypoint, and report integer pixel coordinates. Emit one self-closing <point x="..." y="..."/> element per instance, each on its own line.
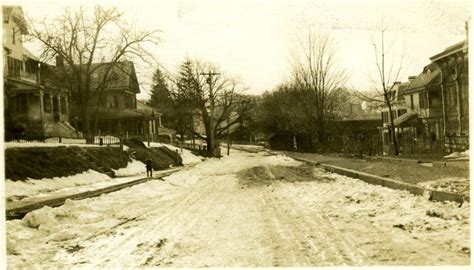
<point x="387" y="208"/>
<point x="47" y="229"/>
<point x="33" y="187"/>
<point x="450" y="184"/>
<point x="458" y="155"/>
<point x="88" y="180"/>
<point x="133" y="168"/>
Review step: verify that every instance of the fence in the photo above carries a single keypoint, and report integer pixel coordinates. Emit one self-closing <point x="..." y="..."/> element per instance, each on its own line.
<point x="200" y="148"/>
<point x="107" y="139"/>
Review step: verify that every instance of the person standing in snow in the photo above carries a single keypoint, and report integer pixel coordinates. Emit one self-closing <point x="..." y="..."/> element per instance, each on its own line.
<point x="149" y="168"/>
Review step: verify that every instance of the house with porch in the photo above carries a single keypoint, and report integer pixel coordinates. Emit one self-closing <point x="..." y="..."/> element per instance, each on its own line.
<point x="431" y="112"/>
<point x="116" y="109"/>
<point x="32" y="110"/>
<point x="420" y="128"/>
<point x="453" y="83"/>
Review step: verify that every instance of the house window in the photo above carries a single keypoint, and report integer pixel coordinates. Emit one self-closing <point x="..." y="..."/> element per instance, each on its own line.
<point x="31" y="67"/>
<point x="19" y="103"/>
<point x="424" y="103"/>
<point x="14" y="66"/>
<point x="129" y="101"/>
<point x="412" y="104"/>
<point x="113" y="102"/>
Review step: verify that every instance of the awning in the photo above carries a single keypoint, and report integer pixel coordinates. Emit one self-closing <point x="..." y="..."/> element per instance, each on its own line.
<point x="404" y="119"/>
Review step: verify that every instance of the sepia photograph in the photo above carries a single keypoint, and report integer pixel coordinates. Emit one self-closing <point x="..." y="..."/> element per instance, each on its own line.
<point x="250" y="134"/>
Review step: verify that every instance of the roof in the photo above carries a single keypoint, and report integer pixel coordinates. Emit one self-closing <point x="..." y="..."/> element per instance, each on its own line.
<point x="127" y="113"/>
<point x="401" y="89"/>
<point x="8" y="13"/>
<point x="450" y="50"/>
<point x="404" y="118"/>
<point x="141" y="111"/>
<point x="122" y="75"/>
<point x="143" y="107"/>
<point x="425" y="78"/>
<point x="29" y="54"/>
<point x="363" y="117"/>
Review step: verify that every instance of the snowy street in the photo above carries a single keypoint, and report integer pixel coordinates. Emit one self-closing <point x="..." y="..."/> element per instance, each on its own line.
<point x="243" y="210"/>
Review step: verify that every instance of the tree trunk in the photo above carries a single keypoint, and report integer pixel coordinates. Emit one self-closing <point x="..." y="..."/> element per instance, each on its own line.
<point x="86" y="124"/>
<point x="392" y="127"/>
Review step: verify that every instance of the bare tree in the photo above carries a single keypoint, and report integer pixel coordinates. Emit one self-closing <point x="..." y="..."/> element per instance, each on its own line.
<point x="387" y="75"/>
<point x="217" y="100"/>
<point x="319" y="81"/>
<point x="86" y="43"/>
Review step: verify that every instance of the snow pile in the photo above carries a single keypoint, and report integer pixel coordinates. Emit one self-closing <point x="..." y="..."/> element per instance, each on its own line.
<point x="281" y="160"/>
<point x="458" y="155"/>
<point x="450" y="184"/>
<point x="83" y="217"/>
<point x="15" y="190"/>
<point x="133" y="168"/>
<point x="388" y="208"/>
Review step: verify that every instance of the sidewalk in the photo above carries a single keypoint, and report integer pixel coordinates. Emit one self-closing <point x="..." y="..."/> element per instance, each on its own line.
<point x="450" y="178"/>
<point x="17" y="209"/>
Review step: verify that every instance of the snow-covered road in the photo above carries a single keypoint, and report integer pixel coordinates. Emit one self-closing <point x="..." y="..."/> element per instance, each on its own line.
<point x="243" y="210"/>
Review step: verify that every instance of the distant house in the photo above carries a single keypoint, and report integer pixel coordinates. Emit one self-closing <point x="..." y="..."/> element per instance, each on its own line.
<point x="32" y="109"/>
<point x="116" y="107"/>
<point x="357" y="131"/>
<point x="431" y="110"/>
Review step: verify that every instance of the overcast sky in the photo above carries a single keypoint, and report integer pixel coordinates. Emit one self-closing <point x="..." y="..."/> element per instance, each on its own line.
<point x="254" y="39"/>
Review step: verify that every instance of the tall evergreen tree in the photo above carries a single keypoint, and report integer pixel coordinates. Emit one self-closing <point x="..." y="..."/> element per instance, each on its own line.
<point x="161" y="99"/>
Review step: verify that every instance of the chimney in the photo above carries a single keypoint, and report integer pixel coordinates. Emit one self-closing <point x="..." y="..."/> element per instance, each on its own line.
<point x="59" y="61"/>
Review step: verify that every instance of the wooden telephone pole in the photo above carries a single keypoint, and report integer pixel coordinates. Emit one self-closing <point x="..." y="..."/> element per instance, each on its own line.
<point x="209" y="75"/>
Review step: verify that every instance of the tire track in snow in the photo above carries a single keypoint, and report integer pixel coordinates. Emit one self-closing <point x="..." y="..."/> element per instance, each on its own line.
<point x="123" y="237"/>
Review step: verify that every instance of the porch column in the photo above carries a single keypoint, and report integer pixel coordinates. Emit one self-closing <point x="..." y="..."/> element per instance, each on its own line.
<point x="67" y="108"/>
<point x="144" y="127"/>
<point x="51" y="105"/>
<point x="159" y="121"/>
<point x="41" y="107"/>
<point x="59" y="107"/>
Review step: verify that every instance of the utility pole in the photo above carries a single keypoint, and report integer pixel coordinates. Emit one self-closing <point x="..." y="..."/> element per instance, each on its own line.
<point x="210" y="136"/>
